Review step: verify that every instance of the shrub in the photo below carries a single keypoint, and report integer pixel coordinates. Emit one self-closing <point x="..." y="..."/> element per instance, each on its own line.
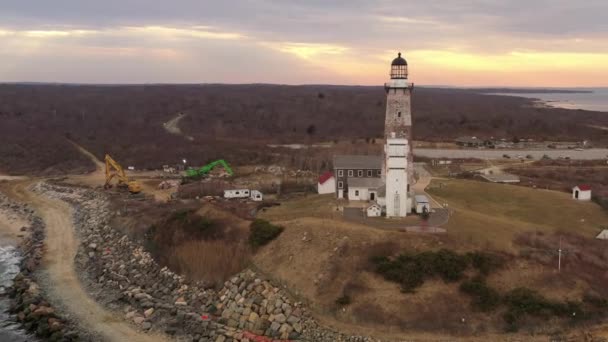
<point x="180" y="215"/>
<point x="484" y="297"/>
<point x="410" y="270"/>
<point x="450" y="265"/>
<point x="262" y="232"/>
<point x="344" y="300"/>
<point x="485" y="262"/>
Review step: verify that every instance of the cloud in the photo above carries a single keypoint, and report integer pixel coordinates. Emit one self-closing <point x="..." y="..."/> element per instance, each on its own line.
<point x="326" y="41"/>
<point x="308" y="50"/>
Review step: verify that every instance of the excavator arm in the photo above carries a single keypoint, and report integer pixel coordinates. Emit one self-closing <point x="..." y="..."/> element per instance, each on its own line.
<point x="114" y="170"/>
<point x="207" y="168"/>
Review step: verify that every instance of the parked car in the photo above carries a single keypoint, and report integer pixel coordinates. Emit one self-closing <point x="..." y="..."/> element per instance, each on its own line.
<point x="506" y="156"/>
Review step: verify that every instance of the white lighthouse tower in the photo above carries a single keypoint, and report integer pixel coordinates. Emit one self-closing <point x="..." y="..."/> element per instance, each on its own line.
<point x="398" y="162"/>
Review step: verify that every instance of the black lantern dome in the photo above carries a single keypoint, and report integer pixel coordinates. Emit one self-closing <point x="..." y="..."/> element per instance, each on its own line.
<point x="399" y="67"/>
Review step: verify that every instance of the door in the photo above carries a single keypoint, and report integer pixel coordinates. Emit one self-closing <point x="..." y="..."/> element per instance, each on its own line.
<point x="372" y="196"/>
<point x="397" y="206"/>
<point x="576" y="194"/>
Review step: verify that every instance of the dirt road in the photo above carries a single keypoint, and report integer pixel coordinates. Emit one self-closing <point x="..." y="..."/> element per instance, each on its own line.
<point x="172" y="126"/>
<point x="58" y="264"/>
<point x="424" y="179"/>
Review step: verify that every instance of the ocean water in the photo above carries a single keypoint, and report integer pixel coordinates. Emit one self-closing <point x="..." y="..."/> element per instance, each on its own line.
<point x="597" y="100"/>
<point x="9" y="267"/>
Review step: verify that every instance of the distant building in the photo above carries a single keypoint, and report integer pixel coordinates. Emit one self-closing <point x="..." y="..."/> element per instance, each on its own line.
<point x="349" y="167"/>
<point x="581" y="192"/>
<point x="468" y="141"/>
<point x="326" y="183"/>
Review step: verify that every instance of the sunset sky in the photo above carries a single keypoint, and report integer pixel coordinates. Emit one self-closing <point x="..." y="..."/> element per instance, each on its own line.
<point x="557" y="43"/>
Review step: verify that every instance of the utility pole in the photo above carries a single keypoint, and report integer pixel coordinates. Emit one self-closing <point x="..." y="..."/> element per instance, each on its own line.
<point x="559" y="256"/>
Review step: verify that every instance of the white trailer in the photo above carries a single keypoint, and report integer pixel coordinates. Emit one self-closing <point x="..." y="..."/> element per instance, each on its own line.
<point x="237" y="193"/>
<point x="256" y="196"/>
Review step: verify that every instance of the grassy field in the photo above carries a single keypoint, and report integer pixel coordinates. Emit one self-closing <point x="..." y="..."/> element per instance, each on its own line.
<point x="321" y="206"/>
<point x="491" y="215"/>
<point x="321" y="257"/>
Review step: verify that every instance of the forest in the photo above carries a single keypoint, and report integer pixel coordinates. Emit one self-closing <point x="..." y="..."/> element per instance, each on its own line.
<point x="237" y="122"/>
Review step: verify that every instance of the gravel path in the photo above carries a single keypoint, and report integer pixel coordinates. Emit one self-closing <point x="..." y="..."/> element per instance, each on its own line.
<point x="58" y="263"/>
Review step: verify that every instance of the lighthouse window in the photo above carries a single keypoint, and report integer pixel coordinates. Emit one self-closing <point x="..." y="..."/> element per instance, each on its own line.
<point x="399" y="114"/>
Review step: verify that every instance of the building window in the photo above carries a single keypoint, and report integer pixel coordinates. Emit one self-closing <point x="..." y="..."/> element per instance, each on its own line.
<point x="379" y="172"/>
<point x="340" y="173"/>
<point x="408" y="188"/>
<point x="340" y="185"/>
<point x="369" y="173"/>
<point x="356" y="192"/>
<point x="399" y="114"/>
<point x="350" y="173"/>
<point x="360" y="173"/>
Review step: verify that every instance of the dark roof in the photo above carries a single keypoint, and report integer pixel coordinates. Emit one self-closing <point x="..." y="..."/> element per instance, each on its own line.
<point x="399" y="60"/>
<point x="325" y="176"/>
<point x="584" y="187"/>
<point x="357" y="162"/>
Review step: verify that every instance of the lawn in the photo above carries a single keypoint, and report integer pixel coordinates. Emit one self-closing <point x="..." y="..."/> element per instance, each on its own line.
<point x="312" y="205"/>
<point x="492" y="214"/>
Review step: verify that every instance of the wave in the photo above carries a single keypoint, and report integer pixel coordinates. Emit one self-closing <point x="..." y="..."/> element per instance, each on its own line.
<point x="9" y="268"/>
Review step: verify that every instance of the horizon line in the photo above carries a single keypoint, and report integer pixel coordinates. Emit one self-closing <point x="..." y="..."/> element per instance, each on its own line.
<point x="292" y="85"/>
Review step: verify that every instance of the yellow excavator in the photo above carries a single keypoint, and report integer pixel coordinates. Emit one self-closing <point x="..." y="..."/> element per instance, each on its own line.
<point x="113" y="169"/>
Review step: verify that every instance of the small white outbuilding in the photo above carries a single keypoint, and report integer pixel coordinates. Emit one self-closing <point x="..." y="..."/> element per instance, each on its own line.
<point x="422" y="202"/>
<point x="374" y="210"/>
<point x="581" y="193"/>
<point x="603" y="235"/>
<point x="326" y="183"/>
<point x="256" y="196"/>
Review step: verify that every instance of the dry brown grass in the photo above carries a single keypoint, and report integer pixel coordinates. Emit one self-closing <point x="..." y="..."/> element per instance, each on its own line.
<point x="210" y="261"/>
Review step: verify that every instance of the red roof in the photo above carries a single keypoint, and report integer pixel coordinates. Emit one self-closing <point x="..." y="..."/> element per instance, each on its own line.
<point x="325" y="176"/>
<point x="584" y="187"/>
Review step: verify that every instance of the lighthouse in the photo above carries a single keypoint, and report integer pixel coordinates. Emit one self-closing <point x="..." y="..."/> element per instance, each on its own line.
<point x="398" y="170"/>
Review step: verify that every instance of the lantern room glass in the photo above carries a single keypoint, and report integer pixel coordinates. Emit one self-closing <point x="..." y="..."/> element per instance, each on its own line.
<point x="399" y="71"/>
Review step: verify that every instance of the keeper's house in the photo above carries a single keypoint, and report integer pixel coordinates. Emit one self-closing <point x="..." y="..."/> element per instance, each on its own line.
<point x="365" y="171"/>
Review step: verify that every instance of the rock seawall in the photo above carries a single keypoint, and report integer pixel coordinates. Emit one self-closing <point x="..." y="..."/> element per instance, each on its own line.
<point x="28" y="303"/>
<point x="119" y="273"/>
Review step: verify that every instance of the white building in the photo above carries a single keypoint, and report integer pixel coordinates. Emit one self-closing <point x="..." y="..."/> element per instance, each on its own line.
<point x="363" y="189"/>
<point x="256" y="196"/>
<point x="326" y="183"/>
<point x="398" y="203"/>
<point x="398" y="168"/>
<point x="236" y="193"/>
<point x="422" y="202"/>
<point x="374" y="210"/>
<point x="581" y="193"/>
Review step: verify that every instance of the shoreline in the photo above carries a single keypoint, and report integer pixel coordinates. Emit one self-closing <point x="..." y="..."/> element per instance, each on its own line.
<point x="28" y="307"/>
<point x="538" y="102"/>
